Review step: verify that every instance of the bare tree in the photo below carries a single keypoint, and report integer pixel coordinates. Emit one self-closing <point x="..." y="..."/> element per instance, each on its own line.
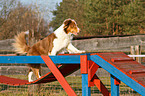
<point x="23" y="18"/>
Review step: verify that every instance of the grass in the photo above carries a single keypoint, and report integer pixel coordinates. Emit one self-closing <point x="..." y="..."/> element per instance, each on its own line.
<point x="55" y="89"/>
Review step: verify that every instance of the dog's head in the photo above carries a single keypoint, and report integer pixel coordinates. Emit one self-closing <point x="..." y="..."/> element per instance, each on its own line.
<point x="70" y="26"/>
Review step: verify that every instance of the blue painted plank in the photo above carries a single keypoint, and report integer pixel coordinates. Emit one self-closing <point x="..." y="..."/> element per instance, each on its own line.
<point x="75" y="59"/>
<point x="88" y="55"/>
<point x="86" y="91"/>
<point x="21" y="59"/>
<point x="118" y="74"/>
<point x="114" y="88"/>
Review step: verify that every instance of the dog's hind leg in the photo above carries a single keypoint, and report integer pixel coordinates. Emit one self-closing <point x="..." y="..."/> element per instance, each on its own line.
<point x="36" y="72"/>
<point x="30" y="75"/>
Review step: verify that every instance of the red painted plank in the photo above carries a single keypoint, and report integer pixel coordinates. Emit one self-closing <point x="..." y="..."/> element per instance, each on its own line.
<point x="129" y="65"/>
<point x="116" y="81"/>
<point x="126" y="65"/>
<point x="137" y="71"/>
<point x="58" y="76"/>
<point x="84" y="64"/>
<point x="92" y="70"/>
<point x="101" y="86"/>
<point x="70" y="54"/>
<point x="11" y="81"/>
<point x="138" y="75"/>
<point x="49" y="77"/>
<point x="121" y="59"/>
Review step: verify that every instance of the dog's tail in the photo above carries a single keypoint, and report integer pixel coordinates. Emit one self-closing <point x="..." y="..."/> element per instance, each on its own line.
<point x="20" y="44"/>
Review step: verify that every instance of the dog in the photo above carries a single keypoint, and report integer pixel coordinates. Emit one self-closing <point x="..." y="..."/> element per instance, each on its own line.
<point x="52" y="44"/>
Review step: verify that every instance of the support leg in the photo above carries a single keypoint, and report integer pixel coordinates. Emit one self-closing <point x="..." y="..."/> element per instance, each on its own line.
<point x="86" y="91"/>
<point x="101" y="86"/>
<point x="114" y="87"/>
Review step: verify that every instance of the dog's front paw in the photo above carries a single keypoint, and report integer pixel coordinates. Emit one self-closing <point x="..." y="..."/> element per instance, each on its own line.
<point x="82" y="51"/>
<point x="30" y="80"/>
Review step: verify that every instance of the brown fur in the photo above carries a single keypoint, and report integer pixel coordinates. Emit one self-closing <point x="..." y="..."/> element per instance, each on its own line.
<point x="20" y="44"/>
<point x="42" y="47"/>
<point x="70" y="26"/>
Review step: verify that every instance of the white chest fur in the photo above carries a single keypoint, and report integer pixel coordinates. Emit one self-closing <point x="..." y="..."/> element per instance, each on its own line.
<point x="62" y="40"/>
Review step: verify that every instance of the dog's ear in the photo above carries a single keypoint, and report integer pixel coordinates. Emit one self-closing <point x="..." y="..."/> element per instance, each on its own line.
<point x="67" y="22"/>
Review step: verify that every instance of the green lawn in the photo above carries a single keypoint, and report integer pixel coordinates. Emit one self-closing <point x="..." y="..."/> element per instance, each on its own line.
<point x="55" y="89"/>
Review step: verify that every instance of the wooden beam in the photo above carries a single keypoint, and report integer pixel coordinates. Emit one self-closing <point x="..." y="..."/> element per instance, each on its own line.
<point x="58" y="76"/>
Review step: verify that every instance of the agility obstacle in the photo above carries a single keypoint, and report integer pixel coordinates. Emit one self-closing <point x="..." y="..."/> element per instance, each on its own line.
<point x="119" y="65"/>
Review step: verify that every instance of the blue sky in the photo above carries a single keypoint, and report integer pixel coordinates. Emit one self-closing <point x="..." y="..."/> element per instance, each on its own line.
<point x="45" y="5"/>
<point x="50" y="3"/>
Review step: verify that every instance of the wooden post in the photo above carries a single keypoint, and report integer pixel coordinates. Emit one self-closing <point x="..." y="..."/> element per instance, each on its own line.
<point x="132" y="51"/>
<point x="138" y="52"/>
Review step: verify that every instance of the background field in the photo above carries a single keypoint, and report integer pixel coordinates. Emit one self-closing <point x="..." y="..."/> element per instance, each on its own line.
<point x="55" y="89"/>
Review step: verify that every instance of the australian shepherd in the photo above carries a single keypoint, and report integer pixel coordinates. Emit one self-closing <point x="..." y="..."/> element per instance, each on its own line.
<point x="50" y="45"/>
